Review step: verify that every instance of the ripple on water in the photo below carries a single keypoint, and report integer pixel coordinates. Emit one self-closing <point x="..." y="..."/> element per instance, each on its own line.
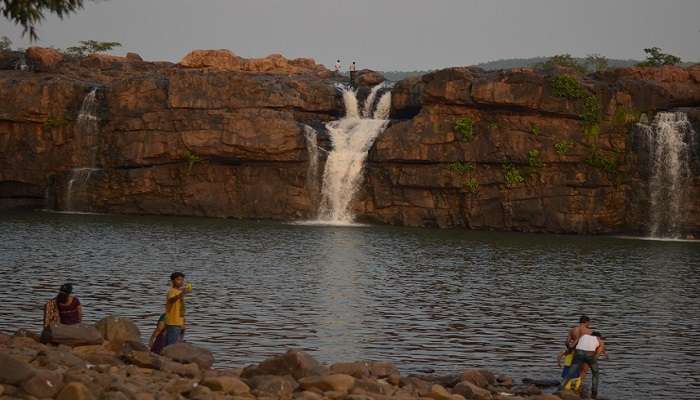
<point x="424" y="299"/>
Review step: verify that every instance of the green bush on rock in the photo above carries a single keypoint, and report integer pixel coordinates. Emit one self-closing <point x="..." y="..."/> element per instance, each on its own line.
<point x="567" y="87"/>
<point x="562" y="148"/>
<point x="512" y="175"/>
<point x="465" y="128"/>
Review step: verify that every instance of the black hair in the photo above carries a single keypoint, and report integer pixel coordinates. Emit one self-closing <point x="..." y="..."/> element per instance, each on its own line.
<point x="63" y="293"/>
<point x="596" y="334"/>
<point x="176" y="275"/>
<point x="584" y="319"/>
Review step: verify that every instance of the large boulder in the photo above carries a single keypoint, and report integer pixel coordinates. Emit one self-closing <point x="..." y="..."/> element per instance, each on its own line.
<point x="75" y="335"/>
<point x="116" y="329"/>
<point x="296" y="363"/>
<point x="189" y="353"/>
<point x="274" y="386"/>
<point x="219" y="59"/>
<point x="43" y="59"/>
<point x="14" y="371"/>
<point x="367" y="77"/>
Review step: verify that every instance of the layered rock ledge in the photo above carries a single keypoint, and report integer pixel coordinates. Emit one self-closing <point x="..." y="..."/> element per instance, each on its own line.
<point x="109" y="362"/>
<point x="222" y="136"/>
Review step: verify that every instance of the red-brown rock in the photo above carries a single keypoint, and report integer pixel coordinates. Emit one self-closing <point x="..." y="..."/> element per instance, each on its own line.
<point x="43" y="59"/>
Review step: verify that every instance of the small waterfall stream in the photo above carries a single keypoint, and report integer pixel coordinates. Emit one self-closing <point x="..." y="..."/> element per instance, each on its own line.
<point x="670" y="139"/>
<point x="351" y="137"/>
<point x="87" y="128"/>
<point x="312" y="181"/>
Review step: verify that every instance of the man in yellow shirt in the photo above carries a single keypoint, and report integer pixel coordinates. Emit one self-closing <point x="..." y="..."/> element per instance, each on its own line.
<point x="175" y="309"/>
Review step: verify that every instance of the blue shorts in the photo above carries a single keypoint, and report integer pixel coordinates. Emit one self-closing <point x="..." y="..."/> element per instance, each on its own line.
<point x="173" y="334"/>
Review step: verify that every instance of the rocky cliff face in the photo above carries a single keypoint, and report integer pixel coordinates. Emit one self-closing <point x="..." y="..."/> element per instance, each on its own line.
<point x="222" y="136"/>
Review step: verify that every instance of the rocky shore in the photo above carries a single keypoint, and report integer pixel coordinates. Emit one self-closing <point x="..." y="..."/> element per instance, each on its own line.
<point x="108" y="361"/>
<point x="222" y="136"/>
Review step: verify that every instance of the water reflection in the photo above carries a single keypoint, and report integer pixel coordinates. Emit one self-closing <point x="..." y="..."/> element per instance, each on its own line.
<point x="421" y="298"/>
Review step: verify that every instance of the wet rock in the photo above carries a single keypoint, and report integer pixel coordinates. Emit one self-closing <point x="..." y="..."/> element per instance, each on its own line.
<point x="227" y="384"/>
<point x="116" y="329"/>
<point x="43" y="384"/>
<point x="75" y="335"/>
<point x="296" y="363"/>
<point x="14" y="371"/>
<point x="43" y="59"/>
<point x="504" y="380"/>
<point x="188" y="353"/>
<point x="75" y="391"/>
<point x="472" y="391"/>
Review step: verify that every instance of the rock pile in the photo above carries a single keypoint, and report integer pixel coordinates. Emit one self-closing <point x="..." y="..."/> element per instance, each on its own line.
<point x="122" y="368"/>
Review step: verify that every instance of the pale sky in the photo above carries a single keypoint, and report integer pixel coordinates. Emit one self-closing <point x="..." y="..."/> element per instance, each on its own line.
<point x="382" y="34"/>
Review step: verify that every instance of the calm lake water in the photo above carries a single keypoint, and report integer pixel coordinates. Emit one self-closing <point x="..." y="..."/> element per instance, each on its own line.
<point x="424" y="299"/>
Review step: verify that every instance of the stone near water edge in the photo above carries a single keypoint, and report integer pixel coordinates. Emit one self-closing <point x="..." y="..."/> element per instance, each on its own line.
<point x="190" y="370"/>
<point x="367" y="385"/>
<point x="334" y="382"/>
<point x="296" y="363"/>
<point x="227" y="384"/>
<point x="75" y="335"/>
<point x="308" y="395"/>
<point x="505" y="381"/>
<point x="357" y="369"/>
<point x="117" y="329"/>
<point x="382" y="369"/>
<point x="14" y="371"/>
<point x="472" y="391"/>
<point x="438" y="392"/>
<point x="478" y="377"/>
<point x="75" y="391"/>
<point x="568" y="395"/>
<point x="43" y="384"/>
<point x="273" y="385"/>
<point x="200" y="393"/>
<point x="27" y="334"/>
<point x="143" y="359"/>
<point x="187" y="353"/>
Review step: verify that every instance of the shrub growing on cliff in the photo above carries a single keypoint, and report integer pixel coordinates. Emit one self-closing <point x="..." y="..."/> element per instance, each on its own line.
<point x="192" y="159"/>
<point x="462" y="167"/>
<point x="472" y="185"/>
<point x="512" y="175"/>
<point x="596" y="62"/>
<point x="533" y="158"/>
<point x="562" y="148"/>
<point x="91" y="46"/>
<point x="591" y="116"/>
<point x="465" y="128"/>
<point x="567" y="87"/>
<point x="600" y="161"/>
<point x="657" y="58"/>
<point x="54" y="122"/>
<point x="535" y="129"/>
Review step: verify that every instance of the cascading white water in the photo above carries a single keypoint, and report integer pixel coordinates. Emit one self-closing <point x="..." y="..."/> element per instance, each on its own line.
<point x="669" y="139"/>
<point x="352" y="137"/>
<point x="87" y="127"/>
<point x="312" y="182"/>
<point x="369" y="102"/>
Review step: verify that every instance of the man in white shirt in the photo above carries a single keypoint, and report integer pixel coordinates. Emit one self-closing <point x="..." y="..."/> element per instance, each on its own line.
<point x="337" y="67"/>
<point x="588" y="348"/>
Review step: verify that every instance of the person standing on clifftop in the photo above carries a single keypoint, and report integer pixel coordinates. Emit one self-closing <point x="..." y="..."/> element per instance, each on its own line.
<point x="337" y="67"/>
<point x="353" y="69"/>
<point x="175" y="308"/>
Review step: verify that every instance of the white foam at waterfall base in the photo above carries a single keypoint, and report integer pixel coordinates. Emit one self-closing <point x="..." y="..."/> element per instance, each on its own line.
<point x="669" y="140"/>
<point x="351" y="138"/>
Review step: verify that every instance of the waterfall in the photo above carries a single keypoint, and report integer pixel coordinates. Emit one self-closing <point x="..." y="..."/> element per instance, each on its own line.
<point x="669" y="137"/>
<point x="351" y="137"/>
<point x="369" y="102"/>
<point x="312" y="183"/>
<point x="87" y="127"/>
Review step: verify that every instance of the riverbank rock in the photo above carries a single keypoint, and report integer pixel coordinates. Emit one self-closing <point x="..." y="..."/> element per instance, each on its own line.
<point x="189" y="353"/>
<point x="14" y="371"/>
<point x="295" y="363"/>
<point x="226" y="384"/>
<point x="44" y="384"/>
<point x="116" y="329"/>
<point x="334" y="382"/>
<point x="75" y="391"/>
<point x="472" y="391"/>
<point x="367" y="77"/>
<point x="75" y="335"/>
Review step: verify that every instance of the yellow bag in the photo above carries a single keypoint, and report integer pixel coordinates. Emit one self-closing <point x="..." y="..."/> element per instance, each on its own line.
<point x="569" y="359"/>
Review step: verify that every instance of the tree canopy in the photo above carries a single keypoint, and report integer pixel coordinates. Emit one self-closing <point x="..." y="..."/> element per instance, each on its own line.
<point x="5" y="43"/>
<point x="91" y="46"/>
<point x="28" y="13"/>
<point x="657" y="58"/>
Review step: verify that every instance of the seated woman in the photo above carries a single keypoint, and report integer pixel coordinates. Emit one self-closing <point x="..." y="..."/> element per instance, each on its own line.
<point x="62" y="309"/>
<point x="157" y="341"/>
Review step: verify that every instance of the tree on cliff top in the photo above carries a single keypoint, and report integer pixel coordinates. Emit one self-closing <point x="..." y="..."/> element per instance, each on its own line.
<point x="656" y="58"/>
<point x="90" y="47"/>
<point x="28" y="13"/>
